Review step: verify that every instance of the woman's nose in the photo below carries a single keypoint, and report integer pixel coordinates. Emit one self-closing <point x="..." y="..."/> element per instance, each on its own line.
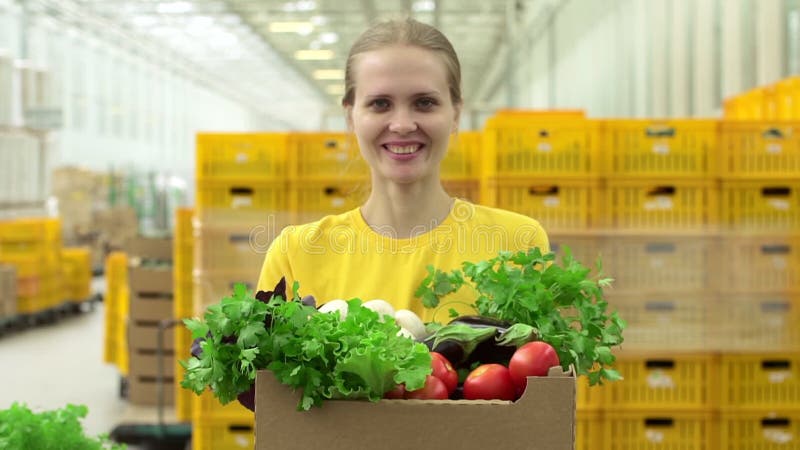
<point x="402" y="122"/>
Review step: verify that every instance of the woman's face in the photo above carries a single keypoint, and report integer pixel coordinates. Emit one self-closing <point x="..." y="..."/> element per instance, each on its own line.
<point x="402" y="114"/>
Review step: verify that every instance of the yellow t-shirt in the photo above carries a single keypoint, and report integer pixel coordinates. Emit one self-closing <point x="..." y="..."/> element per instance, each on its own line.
<point x="342" y="257"/>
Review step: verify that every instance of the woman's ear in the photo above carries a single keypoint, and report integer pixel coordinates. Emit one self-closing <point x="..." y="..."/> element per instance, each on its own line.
<point x="457" y="118"/>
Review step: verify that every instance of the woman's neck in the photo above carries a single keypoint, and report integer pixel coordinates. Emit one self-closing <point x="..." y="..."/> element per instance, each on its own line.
<point x="406" y="210"/>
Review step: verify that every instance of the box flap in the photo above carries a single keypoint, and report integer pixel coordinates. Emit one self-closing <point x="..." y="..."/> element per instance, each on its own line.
<point x="543" y="419"/>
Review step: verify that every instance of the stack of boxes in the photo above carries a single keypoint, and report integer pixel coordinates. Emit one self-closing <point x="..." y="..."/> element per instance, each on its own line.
<point x="151" y="340"/>
<point x="8" y="293"/>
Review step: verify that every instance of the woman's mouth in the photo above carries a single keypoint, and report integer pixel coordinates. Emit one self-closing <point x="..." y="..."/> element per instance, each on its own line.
<point x="402" y="149"/>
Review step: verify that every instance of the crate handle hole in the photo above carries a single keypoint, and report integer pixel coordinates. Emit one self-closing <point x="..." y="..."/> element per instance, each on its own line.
<point x="660" y="306"/>
<point x="775" y="422"/>
<point x="154" y="295"/>
<point x="543" y="190"/>
<point x="660" y="247"/>
<point x="241" y="191"/>
<point x="775" y="306"/>
<point x="772" y="133"/>
<point x="331" y="144"/>
<point x="661" y="190"/>
<point x="331" y="190"/>
<point x="667" y="132"/>
<point x="659" y="422"/>
<point x="240" y="428"/>
<point x="544" y="133"/>
<point x="776" y="249"/>
<point x="776" y="191"/>
<point x="776" y="364"/>
<point x="238" y="238"/>
<point x="660" y="364"/>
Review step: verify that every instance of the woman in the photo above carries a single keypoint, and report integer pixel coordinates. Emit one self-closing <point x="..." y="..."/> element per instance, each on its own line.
<point x="402" y="100"/>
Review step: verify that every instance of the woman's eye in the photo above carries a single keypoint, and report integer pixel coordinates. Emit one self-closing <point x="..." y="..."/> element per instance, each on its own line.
<point x="426" y="103"/>
<point x="379" y="103"/>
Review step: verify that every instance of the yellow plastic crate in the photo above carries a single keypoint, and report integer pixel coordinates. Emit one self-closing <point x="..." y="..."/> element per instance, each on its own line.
<point x="211" y="287"/>
<point x="183" y="242"/>
<point x="33" y="265"/>
<point x="788" y="98"/>
<point x="206" y="406"/>
<point x="183" y="397"/>
<point x="463" y="156"/>
<point x="658" y="321"/>
<point x="30" y="230"/>
<point x="233" y="245"/>
<point x="466" y="189"/>
<point x="315" y="156"/>
<point x="659" y="204"/>
<point x="563" y="146"/>
<point x="588" y="430"/>
<point x="312" y="200"/>
<point x="666" y="263"/>
<point x="761" y="263"/>
<point x="182" y="305"/>
<point x="223" y="433"/>
<point x="584" y="248"/>
<point x="588" y="398"/>
<point x="77" y="272"/>
<point x="757" y="322"/>
<point x="659" y="430"/>
<point x="261" y="156"/>
<point x="765" y="380"/>
<point x="241" y="195"/>
<point x="670" y="148"/>
<point x="760" y="430"/>
<point x="759" y="149"/>
<point x="760" y="205"/>
<point x="664" y="382"/>
<point x="560" y="205"/>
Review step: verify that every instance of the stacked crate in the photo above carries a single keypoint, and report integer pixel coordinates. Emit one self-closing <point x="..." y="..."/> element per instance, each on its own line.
<point x="117" y="294"/>
<point x="183" y="263"/>
<point x="76" y="272"/>
<point x="760" y="291"/>
<point x="777" y="101"/>
<point x="242" y="203"/>
<point x="8" y="293"/>
<point x="33" y="247"/>
<point x="659" y="217"/>
<point x="150" y="342"/>
<point x="545" y="165"/>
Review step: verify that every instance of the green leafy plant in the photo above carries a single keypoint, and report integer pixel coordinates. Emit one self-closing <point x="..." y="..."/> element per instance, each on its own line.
<point x="563" y="303"/>
<point x="23" y="429"/>
<point x="361" y="356"/>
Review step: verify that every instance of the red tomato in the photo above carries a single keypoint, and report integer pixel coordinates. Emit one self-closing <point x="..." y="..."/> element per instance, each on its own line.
<point x="443" y="370"/>
<point x="489" y="382"/>
<point x="398" y="392"/>
<point x="434" y="389"/>
<point x="533" y="359"/>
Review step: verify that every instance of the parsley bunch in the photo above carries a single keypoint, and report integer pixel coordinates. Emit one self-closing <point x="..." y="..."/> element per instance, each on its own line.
<point x="327" y="358"/>
<point x="561" y="301"/>
<point x="22" y="429"/>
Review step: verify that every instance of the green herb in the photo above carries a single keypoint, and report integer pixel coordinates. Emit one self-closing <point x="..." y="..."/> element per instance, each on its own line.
<point x="327" y="358"/>
<point x="561" y="301"/>
<point x="22" y="429"/>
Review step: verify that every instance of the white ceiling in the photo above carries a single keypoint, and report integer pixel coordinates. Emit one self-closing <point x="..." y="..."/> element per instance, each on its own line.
<point x="236" y="46"/>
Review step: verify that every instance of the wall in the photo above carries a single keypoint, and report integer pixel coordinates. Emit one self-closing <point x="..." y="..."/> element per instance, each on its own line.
<point x="644" y="58"/>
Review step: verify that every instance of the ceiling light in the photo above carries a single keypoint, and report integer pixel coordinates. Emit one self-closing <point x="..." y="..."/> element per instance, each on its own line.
<point x="423" y="6"/>
<point x="335" y="89"/>
<point x="174" y="7"/>
<point x="329" y="37"/>
<point x="329" y="74"/>
<point x="291" y="27"/>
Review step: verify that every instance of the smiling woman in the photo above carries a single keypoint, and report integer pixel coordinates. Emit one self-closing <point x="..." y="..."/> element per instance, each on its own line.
<point x="402" y="101"/>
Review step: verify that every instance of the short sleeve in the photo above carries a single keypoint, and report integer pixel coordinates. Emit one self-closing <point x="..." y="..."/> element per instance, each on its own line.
<point x="277" y="263"/>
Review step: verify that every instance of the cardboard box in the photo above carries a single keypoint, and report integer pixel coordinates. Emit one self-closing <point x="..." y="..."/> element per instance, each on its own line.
<point x="143" y="390"/>
<point x="159" y="249"/>
<point x="150" y="280"/>
<point x="144" y="362"/>
<point x="151" y="306"/>
<point x="543" y="419"/>
<point x="8" y="291"/>
<point x="144" y="334"/>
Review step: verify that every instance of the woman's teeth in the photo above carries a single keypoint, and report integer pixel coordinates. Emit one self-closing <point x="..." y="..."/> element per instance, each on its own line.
<point x="403" y="150"/>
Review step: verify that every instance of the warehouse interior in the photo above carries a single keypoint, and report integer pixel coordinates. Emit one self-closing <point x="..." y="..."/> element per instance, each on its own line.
<point x="151" y="150"/>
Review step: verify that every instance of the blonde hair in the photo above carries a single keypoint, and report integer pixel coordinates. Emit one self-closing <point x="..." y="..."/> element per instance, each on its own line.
<point x="408" y="32"/>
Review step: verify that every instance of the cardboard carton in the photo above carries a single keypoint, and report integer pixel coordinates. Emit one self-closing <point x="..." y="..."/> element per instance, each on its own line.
<point x="150" y="248"/>
<point x="144" y="362"/>
<point x="144" y="334"/>
<point x="143" y="390"/>
<point x="150" y="280"/>
<point x="8" y="291"/>
<point x="542" y="419"/>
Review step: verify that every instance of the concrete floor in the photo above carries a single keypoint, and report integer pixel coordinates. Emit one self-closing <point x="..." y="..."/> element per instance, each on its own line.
<point x="49" y="366"/>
